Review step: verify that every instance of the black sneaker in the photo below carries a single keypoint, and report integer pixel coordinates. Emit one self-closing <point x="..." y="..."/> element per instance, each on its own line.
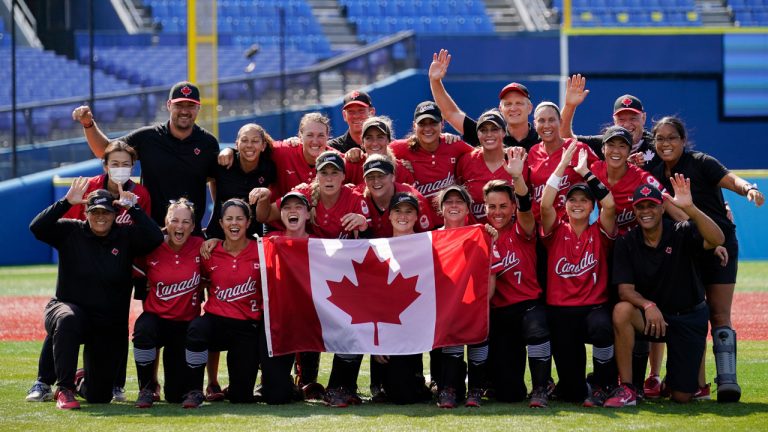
<point x="193" y="399"/>
<point x="378" y="395"/>
<point x="446" y="398"/>
<point x="146" y="399"/>
<point x="474" y="397"/>
<point x="336" y="398"/>
<point x="539" y="398"/>
<point x="597" y="398"/>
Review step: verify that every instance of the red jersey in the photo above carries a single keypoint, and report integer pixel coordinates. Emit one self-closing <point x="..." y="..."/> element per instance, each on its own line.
<point x="515" y="267"/>
<point x="235" y="287"/>
<point x="354" y="172"/>
<point x="432" y="171"/>
<point x="380" y="224"/>
<point x="292" y="169"/>
<point x="174" y="281"/>
<point x="577" y="265"/>
<point x="473" y="173"/>
<point x="327" y="222"/>
<point x="122" y="217"/>
<point x="541" y="165"/>
<point x="623" y="190"/>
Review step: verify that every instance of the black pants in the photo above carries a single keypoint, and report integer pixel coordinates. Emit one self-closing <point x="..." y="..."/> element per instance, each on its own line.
<point x="69" y="326"/>
<point x="346" y="368"/>
<point x="571" y="328"/>
<point x="512" y="328"/>
<point x="246" y="346"/>
<point x="152" y="332"/>
<point x="403" y="379"/>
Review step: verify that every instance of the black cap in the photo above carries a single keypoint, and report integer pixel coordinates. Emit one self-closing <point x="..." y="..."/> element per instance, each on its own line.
<point x="628" y="102"/>
<point x="357" y="97"/>
<point x="618" y="132"/>
<point x="583" y="187"/>
<point x="294" y="194"/>
<point x="331" y="158"/>
<point x="184" y="91"/>
<point x="427" y="109"/>
<point x="378" y="124"/>
<point x="458" y="189"/>
<point x="378" y="165"/>
<point x="100" y="199"/>
<point x="647" y="192"/>
<point x="515" y="87"/>
<point x="404" y="198"/>
<point x="493" y="116"/>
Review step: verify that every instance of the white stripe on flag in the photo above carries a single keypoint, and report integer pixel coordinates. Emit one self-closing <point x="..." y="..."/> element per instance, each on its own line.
<point x="264" y="292"/>
<point x="409" y="256"/>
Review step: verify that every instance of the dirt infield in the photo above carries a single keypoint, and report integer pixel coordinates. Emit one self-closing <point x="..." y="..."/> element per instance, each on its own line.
<point x="21" y="317"/>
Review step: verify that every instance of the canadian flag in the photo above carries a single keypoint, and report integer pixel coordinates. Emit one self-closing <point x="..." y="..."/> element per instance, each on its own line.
<point x="402" y="295"/>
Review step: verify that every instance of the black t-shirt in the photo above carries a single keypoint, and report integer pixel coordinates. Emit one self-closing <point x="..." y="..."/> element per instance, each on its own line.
<point x="666" y="274"/>
<point x="470" y="136"/>
<point x="705" y="173"/>
<point x="172" y="168"/>
<point x="647" y="147"/>
<point x="236" y="183"/>
<point x="343" y="143"/>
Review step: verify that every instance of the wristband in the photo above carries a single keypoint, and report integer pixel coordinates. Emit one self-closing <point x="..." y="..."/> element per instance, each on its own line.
<point x="88" y="126"/>
<point x="588" y="176"/>
<point x="554" y="181"/>
<point x="649" y="305"/>
<point x="523" y="202"/>
<point x="598" y="189"/>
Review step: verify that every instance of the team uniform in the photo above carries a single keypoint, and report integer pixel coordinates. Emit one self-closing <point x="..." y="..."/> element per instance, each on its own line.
<point x="705" y="173"/>
<point x="541" y="165"/>
<point x="93" y="292"/>
<point x="577" y="298"/>
<point x="646" y="146"/>
<point x="354" y="173"/>
<point x="470" y="136"/>
<point x="292" y="169"/>
<point x="473" y="174"/>
<point x="623" y="190"/>
<point x="45" y="369"/>
<point x="327" y="223"/>
<point x="343" y="143"/>
<point x="173" y="301"/>
<point x="380" y="225"/>
<point x="236" y="183"/>
<point x="432" y="171"/>
<point x="668" y="275"/>
<point x="518" y="317"/>
<point x="172" y="168"/>
<point x="233" y="322"/>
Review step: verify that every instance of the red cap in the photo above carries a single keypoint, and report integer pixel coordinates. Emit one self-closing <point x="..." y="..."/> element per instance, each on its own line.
<point x="517" y="87"/>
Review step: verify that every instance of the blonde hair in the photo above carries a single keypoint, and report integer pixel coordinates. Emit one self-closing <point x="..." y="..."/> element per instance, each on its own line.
<point x="316" y="117"/>
<point x="180" y="203"/>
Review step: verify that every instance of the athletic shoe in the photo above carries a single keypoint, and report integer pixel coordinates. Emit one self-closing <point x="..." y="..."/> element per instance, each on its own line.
<point x="313" y="391"/>
<point x="118" y="394"/>
<point x="474" y="397"/>
<point x="79" y="380"/>
<point x="446" y="398"/>
<point x="146" y="399"/>
<point x="621" y="396"/>
<point x="336" y="398"/>
<point x="703" y="392"/>
<point x="551" y="387"/>
<point x="156" y="393"/>
<point x="539" y="398"/>
<point x="193" y="399"/>
<point x="378" y="395"/>
<point x="40" y="392"/>
<point x="353" y="398"/>
<point x="596" y="398"/>
<point x="652" y="387"/>
<point x="65" y="399"/>
<point x="214" y="393"/>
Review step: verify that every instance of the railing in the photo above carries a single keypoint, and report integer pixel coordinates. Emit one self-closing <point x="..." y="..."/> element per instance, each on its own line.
<point x="40" y="123"/>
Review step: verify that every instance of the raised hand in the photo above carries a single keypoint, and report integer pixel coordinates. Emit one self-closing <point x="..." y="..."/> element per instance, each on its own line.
<point x="439" y="66"/>
<point x="567" y="157"/>
<point x="575" y="93"/>
<point x="76" y="191"/>
<point x="516" y="157"/>
<point x="682" y="188"/>
<point x="126" y="199"/>
<point x="258" y="194"/>
<point x="83" y="115"/>
<point x="582" y="167"/>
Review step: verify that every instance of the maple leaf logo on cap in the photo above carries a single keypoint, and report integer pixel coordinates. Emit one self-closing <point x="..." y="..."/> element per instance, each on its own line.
<point x="186" y="91"/>
<point x="645" y="191"/>
<point x="373" y="299"/>
<point x="626" y="102"/>
<point x="354" y="95"/>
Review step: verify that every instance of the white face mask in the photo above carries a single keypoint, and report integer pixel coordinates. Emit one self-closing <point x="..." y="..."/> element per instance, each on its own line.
<point x="119" y="175"/>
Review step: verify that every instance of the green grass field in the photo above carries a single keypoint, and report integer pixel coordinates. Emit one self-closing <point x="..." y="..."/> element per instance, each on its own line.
<point x="19" y="362"/>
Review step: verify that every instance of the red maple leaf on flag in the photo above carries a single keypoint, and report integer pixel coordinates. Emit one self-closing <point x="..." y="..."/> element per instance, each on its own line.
<point x="373" y="299"/>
